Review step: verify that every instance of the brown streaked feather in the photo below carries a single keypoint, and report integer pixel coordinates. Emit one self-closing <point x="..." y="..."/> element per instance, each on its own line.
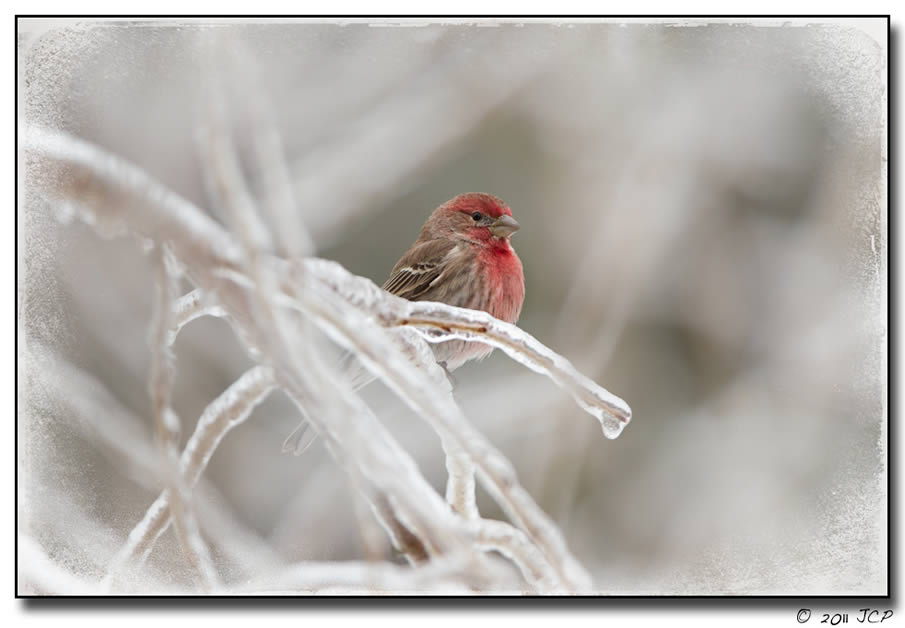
<point x="411" y="279"/>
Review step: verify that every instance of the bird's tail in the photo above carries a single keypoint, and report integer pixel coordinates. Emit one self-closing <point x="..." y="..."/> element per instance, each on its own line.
<point x="300" y="440"/>
<point x="303" y="436"/>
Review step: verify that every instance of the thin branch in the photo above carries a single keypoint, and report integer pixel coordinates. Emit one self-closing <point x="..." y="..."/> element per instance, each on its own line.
<point x="167" y="427"/>
<point x="277" y="192"/>
<point x="440" y="322"/>
<point x="460" y="485"/>
<point x="88" y="406"/>
<point x="227" y="411"/>
<point x="188" y="308"/>
<point x="402" y="538"/>
<point x="515" y="545"/>
<point x="444" y="576"/>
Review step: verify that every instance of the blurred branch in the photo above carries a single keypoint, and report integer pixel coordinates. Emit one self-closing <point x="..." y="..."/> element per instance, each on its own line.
<point x="227" y="411"/>
<point x="404" y="122"/>
<point x="99" y="417"/>
<point x="412" y="547"/>
<point x="277" y="196"/>
<point x="445" y="577"/>
<point x="167" y="426"/>
<point x="190" y="307"/>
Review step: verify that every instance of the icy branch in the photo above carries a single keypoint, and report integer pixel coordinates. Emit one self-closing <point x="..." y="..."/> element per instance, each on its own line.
<point x="227" y="411"/>
<point x="444" y="577"/>
<point x="270" y="163"/>
<point x="116" y="195"/>
<point x="190" y="307"/>
<point x="515" y="545"/>
<point x="402" y="538"/>
<point x="440" y="322"/>
<point x="460" y="487"/>
<point x="167" y="426"/>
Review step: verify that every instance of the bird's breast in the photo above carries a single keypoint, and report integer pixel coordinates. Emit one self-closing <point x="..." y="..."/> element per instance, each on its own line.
<point x="505" y="283"/>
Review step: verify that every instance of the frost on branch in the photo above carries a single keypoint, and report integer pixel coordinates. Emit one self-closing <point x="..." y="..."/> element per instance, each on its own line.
<point x="271" y="304"/>
<point x="439" y="322"/>
<point x="227" y="411"/>
<point x="167" y="425"/>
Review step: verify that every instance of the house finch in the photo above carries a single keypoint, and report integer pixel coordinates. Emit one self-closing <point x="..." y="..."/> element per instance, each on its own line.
<point x="462" y="257"/>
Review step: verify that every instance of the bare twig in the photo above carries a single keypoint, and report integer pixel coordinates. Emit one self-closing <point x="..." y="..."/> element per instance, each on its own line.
<point x="167" y="427"/>
<point x="227" y="411"/>
<point x="445" y="577"/>
<point x="188" y="308"/>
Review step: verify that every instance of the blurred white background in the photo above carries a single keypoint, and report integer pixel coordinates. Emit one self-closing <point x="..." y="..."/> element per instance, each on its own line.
<point x="703" y="233"/>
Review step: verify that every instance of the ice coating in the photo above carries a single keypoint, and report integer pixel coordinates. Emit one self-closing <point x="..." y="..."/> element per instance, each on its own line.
<point x="190" y="307"/>
<point x="132" y="200"/>
<point x="438" y="322"/>
<point x="230" y="409"/>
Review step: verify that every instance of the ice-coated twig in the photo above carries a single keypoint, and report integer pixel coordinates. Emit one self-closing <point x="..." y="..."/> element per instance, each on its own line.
<point x="167" y="426"/>
<point x="372" y="537"/>
<point x="405" y="542"/>
<point x="277" y="196"/>
<point x="460" y="485"/>
<point x="422" y="525"/>
<point x="227" y="411"/>
<point x="440" y="322"/>
<point x="516" y="546"/>
<point x="226" y="187"/>
<point x="187" y="308"/>
<point x="87" y="402"/>
<point x="355" y="437"/>
<point x="442" y="576"/>
<point x="118" y="196"/>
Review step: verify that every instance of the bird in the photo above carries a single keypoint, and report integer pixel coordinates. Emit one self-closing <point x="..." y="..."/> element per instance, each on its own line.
<point x="462" y="257"/>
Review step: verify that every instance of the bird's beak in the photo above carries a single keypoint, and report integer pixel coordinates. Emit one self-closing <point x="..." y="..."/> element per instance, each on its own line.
<point x="504" y="226"/>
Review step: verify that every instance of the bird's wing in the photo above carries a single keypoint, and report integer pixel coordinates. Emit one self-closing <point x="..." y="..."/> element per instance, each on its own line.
<point x="418" y="269"/>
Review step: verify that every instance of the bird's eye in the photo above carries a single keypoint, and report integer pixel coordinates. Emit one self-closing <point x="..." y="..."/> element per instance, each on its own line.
<point x="476" y="216"/>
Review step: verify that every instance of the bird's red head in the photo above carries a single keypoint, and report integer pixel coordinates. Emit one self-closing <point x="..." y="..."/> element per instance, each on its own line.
<point x="475" y="217"/>
<point x="485" y="203"/>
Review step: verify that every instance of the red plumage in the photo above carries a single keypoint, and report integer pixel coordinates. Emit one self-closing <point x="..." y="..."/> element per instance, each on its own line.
<point x="463" y="257"/>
